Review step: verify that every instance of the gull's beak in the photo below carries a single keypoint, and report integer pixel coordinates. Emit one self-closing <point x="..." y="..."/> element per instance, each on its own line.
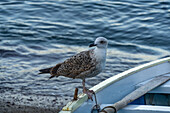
<point x="91" y="45"/>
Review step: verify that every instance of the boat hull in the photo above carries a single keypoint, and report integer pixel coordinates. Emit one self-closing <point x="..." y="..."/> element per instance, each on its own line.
<point x="115" y="88"/>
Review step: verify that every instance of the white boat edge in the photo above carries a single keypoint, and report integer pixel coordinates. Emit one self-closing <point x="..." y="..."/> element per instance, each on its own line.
<point x="73" y="105"/>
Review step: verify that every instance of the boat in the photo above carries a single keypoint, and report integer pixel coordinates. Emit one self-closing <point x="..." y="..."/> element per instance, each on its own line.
<point x="153" y="99"/>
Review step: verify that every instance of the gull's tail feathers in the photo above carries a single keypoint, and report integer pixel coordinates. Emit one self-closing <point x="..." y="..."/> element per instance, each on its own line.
<point x="44" y="71"/>
<point x="51" y="70"/>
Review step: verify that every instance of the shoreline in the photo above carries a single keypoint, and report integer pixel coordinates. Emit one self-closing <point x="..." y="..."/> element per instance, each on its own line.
<point x="19" y="103"/>
<point x="7" y="107"/>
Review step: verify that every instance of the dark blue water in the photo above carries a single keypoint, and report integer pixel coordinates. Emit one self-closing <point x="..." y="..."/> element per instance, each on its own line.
<point x="40" y="34"/>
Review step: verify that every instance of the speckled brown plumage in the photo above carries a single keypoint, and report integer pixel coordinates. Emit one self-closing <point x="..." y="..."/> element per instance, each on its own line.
<point x="77" y="66"/>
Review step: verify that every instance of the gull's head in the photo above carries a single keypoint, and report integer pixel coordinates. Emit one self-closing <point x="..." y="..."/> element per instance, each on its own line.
<point x="100" y="42"/>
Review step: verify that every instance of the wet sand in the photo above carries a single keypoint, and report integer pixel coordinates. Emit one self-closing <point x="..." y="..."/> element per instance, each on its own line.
<point x="6" y="107"/>
<point x="19" y="103"/>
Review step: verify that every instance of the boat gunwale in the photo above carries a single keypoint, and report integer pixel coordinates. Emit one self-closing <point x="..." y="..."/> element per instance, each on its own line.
<point x="73" y="105"/>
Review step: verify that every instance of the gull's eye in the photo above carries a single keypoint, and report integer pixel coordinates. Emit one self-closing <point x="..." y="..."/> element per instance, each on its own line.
<point x="102" y="42"/>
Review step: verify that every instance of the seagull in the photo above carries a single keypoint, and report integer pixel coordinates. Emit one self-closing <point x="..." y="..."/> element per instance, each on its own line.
<point x="83" y="65"/>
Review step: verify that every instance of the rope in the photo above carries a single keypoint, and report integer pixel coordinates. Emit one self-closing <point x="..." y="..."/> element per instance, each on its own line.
<point x="96" y="107"/>
<point x="109" y="107"/>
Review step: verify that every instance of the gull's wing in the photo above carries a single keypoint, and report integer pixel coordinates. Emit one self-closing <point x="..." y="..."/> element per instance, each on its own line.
<point x="74" y="66"/>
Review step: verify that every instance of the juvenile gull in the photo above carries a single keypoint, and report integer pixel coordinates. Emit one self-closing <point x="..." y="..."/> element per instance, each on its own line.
<point x="83" y="65"/>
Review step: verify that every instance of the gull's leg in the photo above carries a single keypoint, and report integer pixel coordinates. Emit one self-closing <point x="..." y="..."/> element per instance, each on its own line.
<point x="86" y="91"/>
